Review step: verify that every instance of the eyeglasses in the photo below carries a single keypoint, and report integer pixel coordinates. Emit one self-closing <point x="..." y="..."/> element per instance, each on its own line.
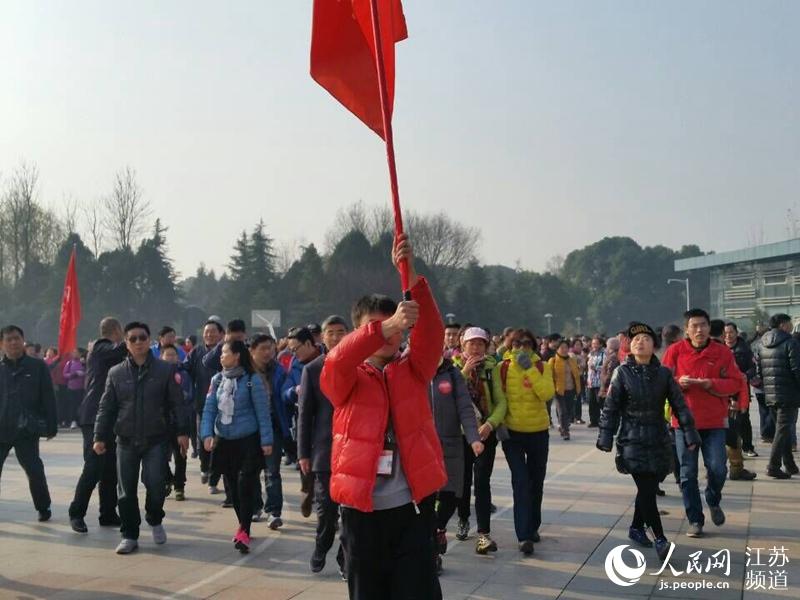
<point x="138" y="338"/>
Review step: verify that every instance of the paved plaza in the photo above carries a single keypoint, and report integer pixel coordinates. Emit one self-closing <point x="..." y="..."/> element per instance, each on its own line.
<point x="587" y="510"/>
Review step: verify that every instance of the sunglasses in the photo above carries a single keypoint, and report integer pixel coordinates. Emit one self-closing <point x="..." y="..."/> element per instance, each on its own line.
<point x="138" y="338"/>
<point x="525" y="343"/>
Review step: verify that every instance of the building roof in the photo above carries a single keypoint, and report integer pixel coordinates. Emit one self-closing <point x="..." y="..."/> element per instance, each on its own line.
<point x="785" y="249"/>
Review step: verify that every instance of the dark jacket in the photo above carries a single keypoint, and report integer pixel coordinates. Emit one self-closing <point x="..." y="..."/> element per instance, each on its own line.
<point x="315" y="419"/>
<point x="200" y="373"/>
<point x="27" y="400"/>
<point x="141" y="405"/>
<point x="453" y="411"/>
<point x="104" y="355"/>
<point x="610" y="362"/>
<point x="778" y="366"/>
<point x="635" y="405"/>
<point x="211" y="358"/>
<point x="744" y="358"/>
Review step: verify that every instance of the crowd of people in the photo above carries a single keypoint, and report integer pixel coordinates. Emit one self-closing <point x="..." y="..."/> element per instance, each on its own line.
<point x="392" y="431"/>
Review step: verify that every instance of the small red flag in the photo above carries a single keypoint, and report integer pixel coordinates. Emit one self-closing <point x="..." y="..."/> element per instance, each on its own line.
<point x="70" y="311"/>
<point x="343" y="54"/>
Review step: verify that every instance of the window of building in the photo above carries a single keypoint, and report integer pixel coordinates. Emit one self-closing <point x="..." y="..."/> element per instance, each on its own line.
<point x="775" y="279"/>
<point x="741" y="282"/>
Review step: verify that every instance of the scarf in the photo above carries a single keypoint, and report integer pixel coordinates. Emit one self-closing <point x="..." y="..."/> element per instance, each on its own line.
<point x="226" y="392"/>
<point x="477" y="393"/>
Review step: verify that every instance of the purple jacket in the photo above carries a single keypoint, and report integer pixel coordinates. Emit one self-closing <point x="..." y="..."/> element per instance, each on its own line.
<point x="75" y="374"/>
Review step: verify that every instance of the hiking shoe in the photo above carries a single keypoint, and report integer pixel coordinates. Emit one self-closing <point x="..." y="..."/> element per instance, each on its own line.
<point x="462" y="531"/>
<point x="78" y="525"/>
<point x="751" y="453"/>
<point x="695" y="530"/>
<point x="317" y="561"/>
<point x="126" y="546"/>
<point x="717" y="515"/>
<point x="778" y="474"/>
<point x="203" y="477"/>
<point x="241" y="541"/>
<point x="441" y="541"/>
<point x="640" y="537"/>
<point x="44" y="515"/>
<point x="180" y="495"/>
<point x="214" y="490"/>
<point x="662" y="548"/>
<point x="274" y="522"/>
<point x="526" y="547"/>
<point x="744" y="475"/>
<point x="485" y="544"/>
<point x="159" y="534"/>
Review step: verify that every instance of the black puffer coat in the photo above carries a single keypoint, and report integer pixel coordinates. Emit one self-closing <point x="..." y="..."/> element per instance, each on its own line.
<point x="635" y="406"/>
<point x="778" y="366"/>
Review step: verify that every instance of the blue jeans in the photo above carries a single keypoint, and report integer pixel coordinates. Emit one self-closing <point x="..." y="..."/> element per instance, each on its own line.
<point x="766" y="424"/>
<point x="526" y="455"/>
<point x="153" y="461"/>
<point x="715" y="460"/>
<point x="273" y="484"/>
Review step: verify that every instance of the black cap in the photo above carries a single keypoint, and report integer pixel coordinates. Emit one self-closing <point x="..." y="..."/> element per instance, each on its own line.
<point x="635" y="328"/>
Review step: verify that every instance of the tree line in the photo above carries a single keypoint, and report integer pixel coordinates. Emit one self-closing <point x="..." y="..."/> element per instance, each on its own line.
<point x="124" y="269"/>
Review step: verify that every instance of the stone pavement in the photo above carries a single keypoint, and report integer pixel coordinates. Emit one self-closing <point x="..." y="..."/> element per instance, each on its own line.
<point x="587" y="510"/>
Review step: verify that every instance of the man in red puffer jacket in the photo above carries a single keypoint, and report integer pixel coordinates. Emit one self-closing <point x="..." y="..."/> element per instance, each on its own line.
<point x="386" y="460"/>
<point x="708" y="376"/>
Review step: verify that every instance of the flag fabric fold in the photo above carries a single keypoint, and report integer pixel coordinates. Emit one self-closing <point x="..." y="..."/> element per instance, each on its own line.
<point x="70" y="311"/>
<point x="343" y="57"/>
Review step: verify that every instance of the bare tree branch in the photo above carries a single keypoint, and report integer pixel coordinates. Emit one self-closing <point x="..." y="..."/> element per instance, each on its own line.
<point x="93" y="225"/>
<point x="125" y="210"/>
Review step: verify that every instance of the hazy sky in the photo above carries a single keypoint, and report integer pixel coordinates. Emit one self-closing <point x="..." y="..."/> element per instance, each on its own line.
<point x="547" y="124"/>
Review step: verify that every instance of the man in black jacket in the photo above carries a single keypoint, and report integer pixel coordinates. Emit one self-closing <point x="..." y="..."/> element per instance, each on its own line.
<point x="778" y="366"/>
<point x="107" y="352"/>
<point x="141" y="405"/>
<point x="27" y="412"/>
<point x="314" y="439"/>
<point x="747" y="365"/>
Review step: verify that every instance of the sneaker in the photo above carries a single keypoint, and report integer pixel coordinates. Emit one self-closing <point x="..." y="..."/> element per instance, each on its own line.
<point x="695" y="530"/>
<point x="580" y="422"/>
<point x="441" y="541"/>
<point x="565" y="437"/>
<point x="274" y="522"/>
<point x="751" y="453"/>
<point x="792" y="469"/>
<point x="778" y="474"/>
<point x="662" y="548"/>
<point x="78" y="525"/>
<point x="126" y="546"/>
<point x="73" y="425"/>
<point x="462" y="531"/>
<point x="180" y="495"/>
<point x="213" y="490"/>
<point x="526" y="547"/>
<point x="485" y="544"/>
<point x="257" y="517"/>
<point x="317" y="561"/>
<point x="159" y="534"/>
<point x="241" y="541"/>
<point x="112" y="521"/>
<point x="204" y="477"/>
<point x="743" y="475"/>
<point x="44" y="515"/>
<point x="640" y="537"/>
<point x="717" y="515"/>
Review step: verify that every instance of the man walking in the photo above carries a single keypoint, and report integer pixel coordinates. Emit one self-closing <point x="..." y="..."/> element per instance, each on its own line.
<point x="140" y="405"/>
<point x="778" y="366"/>
<point x="27" y="412"/>
<point x="108" y="351"/>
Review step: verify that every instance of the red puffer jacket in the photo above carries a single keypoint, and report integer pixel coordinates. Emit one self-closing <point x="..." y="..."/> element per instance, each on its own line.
<point x="362" y="396"/>
<point x="714" y="362"/>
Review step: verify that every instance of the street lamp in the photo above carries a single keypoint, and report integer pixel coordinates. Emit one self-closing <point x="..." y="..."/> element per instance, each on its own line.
<point x="548" y="316"/>
<point x="579" y="320"/>
<point x="450" y="318"/>
<point x="686" y="283"/>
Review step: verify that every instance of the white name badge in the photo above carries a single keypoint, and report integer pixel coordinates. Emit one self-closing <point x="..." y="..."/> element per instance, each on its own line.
<point x="385" y="462"/>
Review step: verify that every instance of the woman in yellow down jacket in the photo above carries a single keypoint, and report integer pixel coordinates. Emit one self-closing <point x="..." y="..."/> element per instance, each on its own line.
<point x="567" y="378"/>
<point x="528" y="384"/>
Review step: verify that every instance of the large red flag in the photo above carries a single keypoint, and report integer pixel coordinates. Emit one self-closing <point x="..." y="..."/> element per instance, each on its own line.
<point x="70" y="311"/>
<point x="343" y="57"/>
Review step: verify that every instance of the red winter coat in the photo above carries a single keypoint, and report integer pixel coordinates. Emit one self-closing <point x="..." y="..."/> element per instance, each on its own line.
<point x="714" y="362"/>
<point x="362" y="395"/>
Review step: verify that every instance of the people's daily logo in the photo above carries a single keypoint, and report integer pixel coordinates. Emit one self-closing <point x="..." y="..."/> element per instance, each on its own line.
<point x="618" y="570"/>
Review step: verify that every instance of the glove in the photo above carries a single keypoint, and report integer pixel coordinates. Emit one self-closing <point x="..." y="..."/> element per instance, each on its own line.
<point x="524" y="360"/>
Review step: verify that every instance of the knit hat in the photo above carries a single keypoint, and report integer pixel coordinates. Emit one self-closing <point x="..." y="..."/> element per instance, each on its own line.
<point x="476" y="333"/>
<point x="635" y="328"/>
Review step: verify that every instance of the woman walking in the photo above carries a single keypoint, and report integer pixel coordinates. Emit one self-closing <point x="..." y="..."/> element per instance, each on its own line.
<point x="635" y="406"/>
<point x="236" y="427"/>
<point x="567" y="379"/>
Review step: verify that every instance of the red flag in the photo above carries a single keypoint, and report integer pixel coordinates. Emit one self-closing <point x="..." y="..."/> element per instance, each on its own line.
<point x="343" y="58"/>
<point x="70" y="311"/>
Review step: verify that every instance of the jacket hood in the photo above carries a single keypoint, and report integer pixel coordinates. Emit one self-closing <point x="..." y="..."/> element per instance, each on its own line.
<point x="774" y="337"/>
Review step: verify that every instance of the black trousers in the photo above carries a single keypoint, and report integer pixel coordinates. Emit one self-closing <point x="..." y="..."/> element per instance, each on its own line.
<point x="783" y="418"/>
<point x="745" y="430"/>
<point x="595" y="405"/>
<point x="205" y="458"/>
<point x="327" y="513"/>
<point x="240" y="461"/>
<point x="26" y="449"/>
<point x="478" y="474"/>
<point x="178" y="479"/>
<point x="98" y="471"/>
<point x="646" y="510"/>
<point x="445" y="509"/>
<point x="390" y="553"/>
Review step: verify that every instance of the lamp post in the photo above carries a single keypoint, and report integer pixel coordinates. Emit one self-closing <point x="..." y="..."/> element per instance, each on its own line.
<point x="549" y="318"/>
<point x="579" y="320"/>
<point x="686" y="283"/>
<point x="450" y="318"/>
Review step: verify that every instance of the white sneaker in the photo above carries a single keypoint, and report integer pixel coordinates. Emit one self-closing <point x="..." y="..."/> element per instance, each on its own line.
<point x="159" y="535"/>
<point x="73" y="425"/>
<point x="126" y="546"/>
<point x="274" y="522"/>
<point x="212" y="489"/>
